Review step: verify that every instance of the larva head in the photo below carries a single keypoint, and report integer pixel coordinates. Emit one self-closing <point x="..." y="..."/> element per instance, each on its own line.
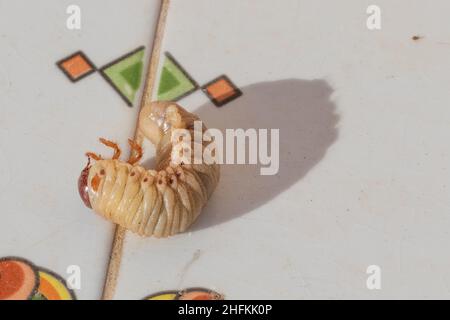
<point x="90" y="181"/>
<point x="83" y="188"/>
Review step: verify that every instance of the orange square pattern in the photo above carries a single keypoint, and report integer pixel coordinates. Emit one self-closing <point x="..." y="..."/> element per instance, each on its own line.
<point x="76" y="66"/>
<point x="220" y="90"/>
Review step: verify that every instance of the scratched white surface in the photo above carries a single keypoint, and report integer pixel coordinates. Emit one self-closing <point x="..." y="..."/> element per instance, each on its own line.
<point x="47" y="124"/>
<point x="364" y="119"/>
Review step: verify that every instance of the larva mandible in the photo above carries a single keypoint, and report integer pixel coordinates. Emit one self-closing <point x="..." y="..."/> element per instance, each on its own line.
<point x="159" y="202"/>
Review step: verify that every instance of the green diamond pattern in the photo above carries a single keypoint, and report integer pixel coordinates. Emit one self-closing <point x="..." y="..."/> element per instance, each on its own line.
<point x="174" y="82"/>
<point x="125" y="74"/>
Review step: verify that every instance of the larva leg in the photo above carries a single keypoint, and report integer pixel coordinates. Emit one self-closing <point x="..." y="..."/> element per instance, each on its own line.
<point x="136" y="152"/>
<point x="94" y="156"/>
<point x="113" y="145"/>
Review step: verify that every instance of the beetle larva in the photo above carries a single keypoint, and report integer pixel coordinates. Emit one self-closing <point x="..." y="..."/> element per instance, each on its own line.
<point x="159" y="202"/>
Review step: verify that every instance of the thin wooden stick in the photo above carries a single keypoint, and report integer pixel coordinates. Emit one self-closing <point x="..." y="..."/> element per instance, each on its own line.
<point x="119" y="234"/>
<point x="114" y="263"/>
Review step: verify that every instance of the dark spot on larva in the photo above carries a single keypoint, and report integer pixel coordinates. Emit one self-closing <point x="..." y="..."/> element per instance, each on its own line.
<point x="182" y="163"/>
<point x="170" y="180"/>
<point x="132" y="173"/>
<point x="102" y="172"/>
<point x="159" y="181"/>
<point x="146" y="179"/>
<point x="95" y="182"/>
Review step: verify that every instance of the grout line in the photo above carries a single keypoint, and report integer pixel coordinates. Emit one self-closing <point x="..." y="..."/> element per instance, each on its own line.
<point x="119" y="234"/>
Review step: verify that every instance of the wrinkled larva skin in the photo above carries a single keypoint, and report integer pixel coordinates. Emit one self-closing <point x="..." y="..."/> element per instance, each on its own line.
<point x="160" y="202"/>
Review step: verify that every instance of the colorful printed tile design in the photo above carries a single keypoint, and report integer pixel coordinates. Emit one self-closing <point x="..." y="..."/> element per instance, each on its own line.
<point x="187" y="294"/>
<point x="125" y="73"/>
<point x="221" y="90"/>
<point x="76" y="66"/>
<point x="174" y="83"/>
<point x="18" y="279"/>
<point x="22" y="280"/>
<point x="166" y="295"/>
<point x="125" y="76"/>
<point x="52" y="287"/>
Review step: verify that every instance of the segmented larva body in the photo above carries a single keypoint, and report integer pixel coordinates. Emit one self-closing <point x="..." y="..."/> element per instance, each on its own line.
<point x="159" y="202"/>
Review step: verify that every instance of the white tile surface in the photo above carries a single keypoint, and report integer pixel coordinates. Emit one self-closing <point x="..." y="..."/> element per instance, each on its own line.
<point x="364" y="145"/>
<point x="364" y="122"/>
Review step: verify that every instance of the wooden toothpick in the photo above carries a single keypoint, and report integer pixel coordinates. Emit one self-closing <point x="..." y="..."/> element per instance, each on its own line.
<point x="119" y="234"/>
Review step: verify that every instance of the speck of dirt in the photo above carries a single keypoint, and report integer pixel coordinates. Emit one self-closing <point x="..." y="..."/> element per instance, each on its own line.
<point x="416" y="38"/>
